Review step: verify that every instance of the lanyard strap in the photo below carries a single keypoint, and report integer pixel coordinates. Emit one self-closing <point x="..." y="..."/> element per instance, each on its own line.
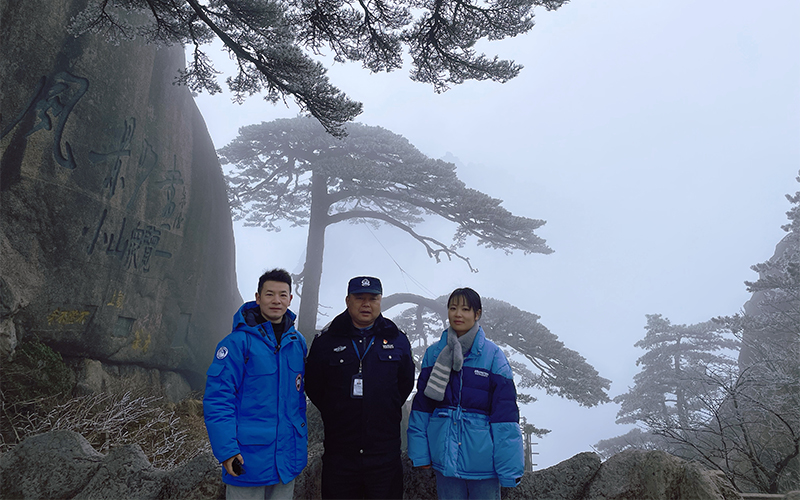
<point x="361" y="356"/>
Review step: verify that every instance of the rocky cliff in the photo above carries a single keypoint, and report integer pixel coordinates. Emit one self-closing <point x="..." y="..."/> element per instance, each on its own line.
<point x="116" y="242"/>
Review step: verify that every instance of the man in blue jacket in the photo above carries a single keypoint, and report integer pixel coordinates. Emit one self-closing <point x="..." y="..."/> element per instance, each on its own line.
<point x="254" y="406"/>
<point x="360" y="372"/>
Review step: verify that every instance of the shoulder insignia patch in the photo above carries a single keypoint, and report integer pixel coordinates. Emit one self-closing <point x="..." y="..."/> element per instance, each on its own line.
<point x="222" y="352"/>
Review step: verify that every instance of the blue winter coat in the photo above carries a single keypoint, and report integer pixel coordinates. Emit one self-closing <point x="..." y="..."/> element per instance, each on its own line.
<point x="254" y="402"/>
<point x="474" y="432"/>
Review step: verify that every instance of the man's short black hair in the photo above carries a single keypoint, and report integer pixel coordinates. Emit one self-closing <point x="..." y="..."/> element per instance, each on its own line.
<point x="471" y="298"/>
<point x="275" y="275"/>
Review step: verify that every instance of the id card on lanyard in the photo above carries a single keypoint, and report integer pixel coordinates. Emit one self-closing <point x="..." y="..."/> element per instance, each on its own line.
<point x="357" y="387"/>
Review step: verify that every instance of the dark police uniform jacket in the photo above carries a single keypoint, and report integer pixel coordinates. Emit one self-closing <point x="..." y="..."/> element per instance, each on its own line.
<point x="369" y="425"/>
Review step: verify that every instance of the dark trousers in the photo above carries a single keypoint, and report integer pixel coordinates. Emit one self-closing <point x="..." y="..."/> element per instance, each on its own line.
<point x="355" y="477"/>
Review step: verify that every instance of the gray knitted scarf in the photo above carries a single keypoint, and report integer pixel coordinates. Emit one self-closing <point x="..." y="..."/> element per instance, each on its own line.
<point x="451" y="358"/>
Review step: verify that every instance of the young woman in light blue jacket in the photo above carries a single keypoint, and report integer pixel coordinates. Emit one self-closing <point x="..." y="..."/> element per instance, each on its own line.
<point x="464" y="420"/>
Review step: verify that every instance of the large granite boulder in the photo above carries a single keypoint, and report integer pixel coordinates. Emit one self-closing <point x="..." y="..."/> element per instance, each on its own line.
<point x="116" y="241"/>
<point x="564" y="481"/>
<point x="656" y="475"/>
<point x="51" y="465"/>
<point x="62" y="464"/>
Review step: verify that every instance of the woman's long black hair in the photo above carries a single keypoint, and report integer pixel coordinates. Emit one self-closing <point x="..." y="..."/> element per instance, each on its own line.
<point x="470" y="296"/>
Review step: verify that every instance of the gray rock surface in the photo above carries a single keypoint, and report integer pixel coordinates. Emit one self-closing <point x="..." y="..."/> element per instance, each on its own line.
<point x="62" y="464"/>
<point x="124" y="473"/>
<point x="309" y="483"/>
<point x="116" y="240"/>
<point x="51" y="465"/>
<point x="564" y="481"/>
<point x="654" y="475"/>
<point x="94" y="376"/>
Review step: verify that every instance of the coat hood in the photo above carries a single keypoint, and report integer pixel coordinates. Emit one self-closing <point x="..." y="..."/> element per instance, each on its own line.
<point x="245" y="318"/>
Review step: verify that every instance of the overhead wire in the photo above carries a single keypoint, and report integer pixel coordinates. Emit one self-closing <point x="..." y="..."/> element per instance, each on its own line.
<point x="402" y="271"/>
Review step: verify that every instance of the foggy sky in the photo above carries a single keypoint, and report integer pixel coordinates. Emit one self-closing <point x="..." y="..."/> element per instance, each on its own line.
<point x="657" y="139"/>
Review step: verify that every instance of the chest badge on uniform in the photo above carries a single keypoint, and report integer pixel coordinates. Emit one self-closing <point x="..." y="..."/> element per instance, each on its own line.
<point x="388" y="346"/>
<point x="298" y="382"/>
<point x="340" y="348"/>
<point x="222" y="352"/>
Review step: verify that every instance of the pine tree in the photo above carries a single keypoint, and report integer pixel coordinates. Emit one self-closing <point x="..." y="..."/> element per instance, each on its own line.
<point x="549" y="364"/>
<point x="272" y="41"/>
<point x="667" y="389"/>
<point x="290" y="170"/>
<point x="742" y="418"/>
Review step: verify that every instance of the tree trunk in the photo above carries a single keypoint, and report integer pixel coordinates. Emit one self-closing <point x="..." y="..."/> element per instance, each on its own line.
<point x="315" y="248"/>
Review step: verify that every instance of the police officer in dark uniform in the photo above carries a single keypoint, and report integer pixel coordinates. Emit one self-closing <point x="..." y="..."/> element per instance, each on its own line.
<point x="359" y="373"/>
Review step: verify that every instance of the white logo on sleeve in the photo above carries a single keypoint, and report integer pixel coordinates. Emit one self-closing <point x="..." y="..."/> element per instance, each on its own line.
<point x="222" y="352"/>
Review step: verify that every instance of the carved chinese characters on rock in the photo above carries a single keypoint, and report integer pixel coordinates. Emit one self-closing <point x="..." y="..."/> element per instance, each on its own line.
<point x="113" y="160"/>
<point x="126" y="166"/>
<point x="134" y="249"/>
<point x="51" y="105"/>
<point x="170" y="184"/>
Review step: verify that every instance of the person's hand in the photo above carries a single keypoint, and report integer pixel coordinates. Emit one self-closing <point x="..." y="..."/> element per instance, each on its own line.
<point x="228" y="464"/>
